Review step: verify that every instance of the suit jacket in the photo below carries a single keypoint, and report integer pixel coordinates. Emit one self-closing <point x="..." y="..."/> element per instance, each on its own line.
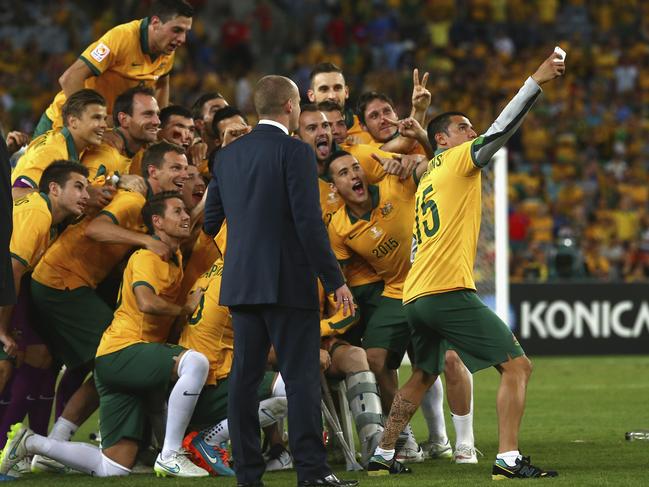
<point x="266" y="185"/>
<point x="7" y="291"/>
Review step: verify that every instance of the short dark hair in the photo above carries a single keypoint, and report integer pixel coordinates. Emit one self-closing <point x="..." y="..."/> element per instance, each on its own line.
<point x="271" y="93"/>
<point x="156" y="205"/>
<point x="155" y="154"/>
<point x="78" y="101"/>
<point x="368" y="97"/>
<point x="440" y="124"/>
<point x="309" y="107"/>
<point x="166" y="10"/>
<point x="324" y="68"/>
<point x="59" y="172"/>
<point x="197" y="107"/>
<point x="330" y="106"/>
<point x="337" y="154"/>
<point x="167" y="112"/>
<point x="124" y="102"/>
<point x="222" y="114"/>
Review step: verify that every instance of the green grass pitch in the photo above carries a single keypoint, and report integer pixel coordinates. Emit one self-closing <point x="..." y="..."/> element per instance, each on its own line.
<point x="578" y="410"/>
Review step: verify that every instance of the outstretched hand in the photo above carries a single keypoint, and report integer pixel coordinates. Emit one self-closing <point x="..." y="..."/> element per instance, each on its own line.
<point x="552" y="68"/>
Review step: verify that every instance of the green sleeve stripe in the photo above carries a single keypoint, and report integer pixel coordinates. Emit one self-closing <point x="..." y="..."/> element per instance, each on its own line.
<point x="474" y="149"/>
<point x="20" y="259"/>
<point x="92" y="67"/>
<point x="109" y="215"/>
<point x="142" y="283"/>
<point x="415" y="178"/>
<point x="342" y="323"/>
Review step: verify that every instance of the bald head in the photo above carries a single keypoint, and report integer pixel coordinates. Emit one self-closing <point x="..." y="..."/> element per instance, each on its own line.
<point x="271" y="94"/>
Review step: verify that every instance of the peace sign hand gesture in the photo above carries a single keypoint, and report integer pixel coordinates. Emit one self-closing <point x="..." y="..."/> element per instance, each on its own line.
<point x="420" y="95"/>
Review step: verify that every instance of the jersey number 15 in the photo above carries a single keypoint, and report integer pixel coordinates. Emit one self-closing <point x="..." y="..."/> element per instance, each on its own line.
<point x="426" y="215"/>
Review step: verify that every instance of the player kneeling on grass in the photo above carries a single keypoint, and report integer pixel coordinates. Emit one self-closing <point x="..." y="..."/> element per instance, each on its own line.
<point x="209" y="331"/>
<point x="439" y="293"/>
<point x="133" y="362"/>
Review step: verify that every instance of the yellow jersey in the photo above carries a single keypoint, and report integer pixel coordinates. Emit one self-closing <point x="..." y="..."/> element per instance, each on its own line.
<point x="41" y="152"/>
<point x="447" y="224"/>
<point x="336" y="323"/>
<point x="363" y="154"/>
<point x="75" y="260"/>
<point x="355" y="129"/>
<point x="209" y="330"/>
<point x="130" y="325"/>
<point x="382" y="237"/>
<point x="119" y="60"/>
<point x="32" y="229"/>
<point x="204" y="253"/>
<point x="105" y="160"/>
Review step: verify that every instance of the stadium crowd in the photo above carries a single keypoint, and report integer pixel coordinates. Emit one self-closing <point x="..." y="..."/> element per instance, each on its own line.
<point x="581" y="180"/>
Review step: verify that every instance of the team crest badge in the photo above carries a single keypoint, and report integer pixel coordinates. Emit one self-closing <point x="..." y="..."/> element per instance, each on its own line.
<point x="100" y="52"/>
<point x="376" y="232"/>
<point x="386" y="209"/>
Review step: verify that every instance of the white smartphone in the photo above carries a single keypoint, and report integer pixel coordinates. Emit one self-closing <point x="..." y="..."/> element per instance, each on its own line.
<point x="560" y="52"/>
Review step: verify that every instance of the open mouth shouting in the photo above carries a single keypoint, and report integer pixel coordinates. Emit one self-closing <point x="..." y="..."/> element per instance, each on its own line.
<point x="358" y="188"/>
<point x="323" y="147"/>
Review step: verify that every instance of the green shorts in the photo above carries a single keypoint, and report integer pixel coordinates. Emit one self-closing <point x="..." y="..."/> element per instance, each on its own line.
<point x="368" y="298"/>
<point x="458" y="320"/>
<point x="125" y="380"/>
<point x="70" y="322"/>
<point x="388" y="329"/>
<point x="44" y="124"/>
<point x="212" y="405"/>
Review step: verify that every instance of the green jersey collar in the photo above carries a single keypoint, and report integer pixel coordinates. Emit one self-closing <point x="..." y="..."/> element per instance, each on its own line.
<point x="144" y="38"/>
<point x="69" y="143"/>
<point x="128" y="153"/>
<point x="439" y="151"/>
<point x="47" y="200"/>
<point x="374" y="194"/>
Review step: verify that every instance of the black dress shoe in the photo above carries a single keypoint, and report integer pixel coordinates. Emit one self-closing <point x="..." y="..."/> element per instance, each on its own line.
<point x="330" y="480"/>
<point x="258" y="483"/>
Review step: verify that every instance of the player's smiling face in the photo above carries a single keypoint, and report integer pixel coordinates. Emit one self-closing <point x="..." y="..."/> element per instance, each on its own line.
<point x="91" y="125"/>
<point x="329" y="86"/>
<point x="458" y="132"/>
<point x="349" y="180"/>
<point x="172" y="174"/>
<point x="316" y="131"/>
<point x="176" y="220"/>
<point x="338" y="126"/>
<point x="194" y="188"/>
<point x="169" y="36"/>
<point x="143" y="126"/>
<point x="376" y="114"/>
<point x="73" y="196"/>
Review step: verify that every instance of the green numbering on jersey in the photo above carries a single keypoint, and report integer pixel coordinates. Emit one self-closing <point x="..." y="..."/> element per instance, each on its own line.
<point x="426" y="207"/>
<point x="198" y="314"/>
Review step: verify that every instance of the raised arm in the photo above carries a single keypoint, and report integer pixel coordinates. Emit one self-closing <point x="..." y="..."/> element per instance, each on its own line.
<point x="485" y="146"/>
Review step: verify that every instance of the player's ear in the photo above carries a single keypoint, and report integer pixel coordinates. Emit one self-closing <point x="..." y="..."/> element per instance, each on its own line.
<point x="333" y="188"/>
<point x="440" y="139"/>
<point x="310" y="95"/>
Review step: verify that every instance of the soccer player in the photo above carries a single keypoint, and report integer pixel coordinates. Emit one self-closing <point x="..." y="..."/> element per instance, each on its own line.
<point x="328" y="83"/>
<point x="134" y="362"/>
<point x="84" y="116"/>
<point x="35" y="218"/>
<point x="439" y="292"/>
<point x="203" y="111"/>
<point x="209" y="331"/>
<point x="138" y="53"/>
<point x="136" y="124"/>
<point x="229" y="119"/>
<point x="73" y="315"/>
<point x="177" y="126"/>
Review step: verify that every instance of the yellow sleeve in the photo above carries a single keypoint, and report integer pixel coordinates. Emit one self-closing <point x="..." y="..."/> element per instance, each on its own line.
<point x="145" y="267"/>
<point x="125" y="208"/>
<point x="372" y="168"/>
<point x="103" y="53"/>
<point x="30" y="236"/>
<point x="336" y="324"/>
<point x="30" y="167"/>
<point x="341" y="251"/>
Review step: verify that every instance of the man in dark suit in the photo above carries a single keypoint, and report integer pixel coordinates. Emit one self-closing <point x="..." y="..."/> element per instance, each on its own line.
<point x="7" y="291"/>
<point x="265" y="184"/>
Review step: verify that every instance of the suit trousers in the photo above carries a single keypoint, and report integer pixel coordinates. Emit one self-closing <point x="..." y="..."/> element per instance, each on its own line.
<point x="295" y="335"/>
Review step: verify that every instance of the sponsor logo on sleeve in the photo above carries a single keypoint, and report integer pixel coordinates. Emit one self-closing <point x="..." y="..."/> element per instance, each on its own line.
<point x="100" y="52"/>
